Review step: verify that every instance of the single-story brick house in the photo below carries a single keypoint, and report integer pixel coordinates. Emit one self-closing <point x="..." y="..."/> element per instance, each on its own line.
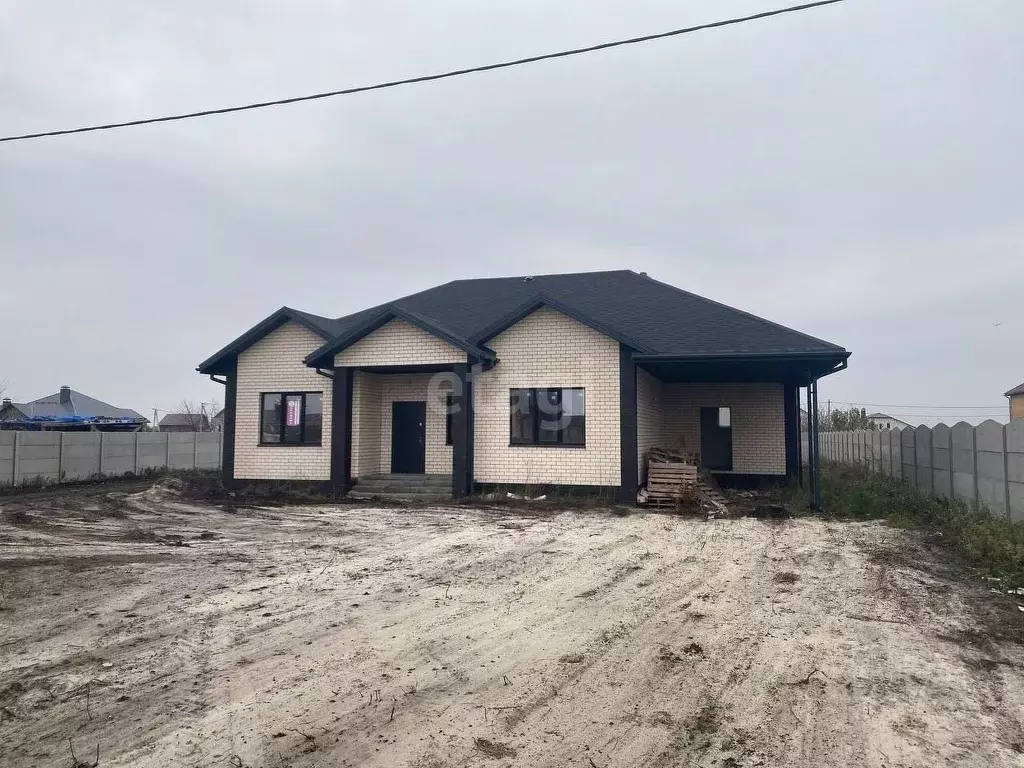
<point x="554" y="380"/>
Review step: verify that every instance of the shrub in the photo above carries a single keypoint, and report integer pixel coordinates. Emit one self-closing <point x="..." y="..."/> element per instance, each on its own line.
<point x="985" y="540"/>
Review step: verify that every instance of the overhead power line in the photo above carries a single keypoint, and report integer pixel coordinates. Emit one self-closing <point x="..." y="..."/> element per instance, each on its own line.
<point x="925" y="407"/>
<point x="425" y="78"/>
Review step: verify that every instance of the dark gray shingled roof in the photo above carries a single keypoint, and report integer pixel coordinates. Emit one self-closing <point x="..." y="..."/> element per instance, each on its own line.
<point x="651" y="316"/>
<point x="665" y="319"/>
<point x="1016" y="391"/>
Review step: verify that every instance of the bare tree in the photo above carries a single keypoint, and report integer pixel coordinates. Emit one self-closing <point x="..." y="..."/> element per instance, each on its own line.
<point x="196" y="416"/>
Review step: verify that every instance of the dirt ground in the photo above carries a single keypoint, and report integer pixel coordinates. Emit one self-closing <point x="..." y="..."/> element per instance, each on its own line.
<point x="167" y="633"/>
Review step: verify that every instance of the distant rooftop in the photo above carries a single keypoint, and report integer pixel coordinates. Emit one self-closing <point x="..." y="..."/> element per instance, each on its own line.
<point x="67" y="406"/>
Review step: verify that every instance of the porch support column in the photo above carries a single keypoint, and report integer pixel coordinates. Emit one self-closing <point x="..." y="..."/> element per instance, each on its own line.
<point x="227" y="458"/>
<point x="341" y="430"/>
<point x="791" y="397"/>
<point x="462" y="431"/>
<point x="629" y="481"/>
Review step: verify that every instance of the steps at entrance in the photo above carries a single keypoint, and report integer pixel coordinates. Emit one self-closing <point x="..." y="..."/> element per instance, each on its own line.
<point x="403" y="488"/>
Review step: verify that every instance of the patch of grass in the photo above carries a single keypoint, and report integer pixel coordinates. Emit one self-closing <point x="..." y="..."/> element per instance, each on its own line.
<point x="990" y="543"/>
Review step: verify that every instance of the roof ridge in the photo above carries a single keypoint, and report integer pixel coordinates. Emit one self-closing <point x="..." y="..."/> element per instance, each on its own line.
<point x="539" y="274"/>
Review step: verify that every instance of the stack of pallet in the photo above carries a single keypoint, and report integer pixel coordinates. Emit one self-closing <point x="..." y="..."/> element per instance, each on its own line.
<point x="671" y="479"/>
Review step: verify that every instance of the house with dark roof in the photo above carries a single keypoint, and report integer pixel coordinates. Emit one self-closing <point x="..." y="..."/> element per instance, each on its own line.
<point x="1016" y="396"/>
<point x="68" y="410"/>
<point x="184" y="422"/>
<point x="550" y="381"/>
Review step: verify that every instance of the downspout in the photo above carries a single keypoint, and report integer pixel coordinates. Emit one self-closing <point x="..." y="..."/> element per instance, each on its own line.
<point x="222" y="382"/>
<point x="320" y="371"/>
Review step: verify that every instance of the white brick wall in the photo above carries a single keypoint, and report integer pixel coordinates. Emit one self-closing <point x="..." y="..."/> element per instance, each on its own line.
<point x="274" y="364"/>
<point x="365" y="424"/>
<point x="548" y="349"/>
<point x="650" y="418"/>
<point x="758" y="422"/>
<point x="399" y="343"/>
<point x="372" y="397"/>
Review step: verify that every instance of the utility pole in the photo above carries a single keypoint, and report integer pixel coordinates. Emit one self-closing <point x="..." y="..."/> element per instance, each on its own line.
<point x="155" y="427"/>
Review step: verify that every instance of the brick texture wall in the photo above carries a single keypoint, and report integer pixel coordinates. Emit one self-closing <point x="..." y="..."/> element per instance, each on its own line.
<point x="274" y="364"/>
<point x="758" y="422"/>
<point x="372" y="397"/>
<point x="1017" y="407"/>
<point x="650" y="418"/>
<point x="399" y="343"/>
<point x="365" y="424"/>
<point x="548" y="349"/>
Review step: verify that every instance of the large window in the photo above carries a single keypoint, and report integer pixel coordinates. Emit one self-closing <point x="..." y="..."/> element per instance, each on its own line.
<point x="291" y="418"/>
<point x="550" y="416"/>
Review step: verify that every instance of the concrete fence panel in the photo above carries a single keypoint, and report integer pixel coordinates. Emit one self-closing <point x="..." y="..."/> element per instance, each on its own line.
<point x="908" y="461"/>
<point x="81" y="455"/>
<point x="52" y="457"/>
<point x="896" y="449"/>
<point x="942" y="475"/>
<point x="923" y="458"/>
<point x="962" y="461"/>
<point x="1015" y="467"/>
<point x="876" y="451"/>
<point x="885" y="451"/>
<point x="991" y="449"/>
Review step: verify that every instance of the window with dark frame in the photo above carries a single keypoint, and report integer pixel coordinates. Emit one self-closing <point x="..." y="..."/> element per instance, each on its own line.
<point x="291" y="418"/>
<point x="548" y="416"/>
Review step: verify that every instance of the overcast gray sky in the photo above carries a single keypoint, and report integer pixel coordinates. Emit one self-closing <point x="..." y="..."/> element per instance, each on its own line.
<point x="854" y="172"/>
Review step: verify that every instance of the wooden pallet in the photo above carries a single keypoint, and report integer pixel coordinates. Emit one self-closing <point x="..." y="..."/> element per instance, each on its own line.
<point x="669" y="482"/>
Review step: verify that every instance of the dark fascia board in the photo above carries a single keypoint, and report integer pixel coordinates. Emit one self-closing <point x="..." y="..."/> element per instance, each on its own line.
<point x="839" y="360"/>
<point x="543" y="300"/>
<point x="387" y="314"/>
<point x="213" y="364"/>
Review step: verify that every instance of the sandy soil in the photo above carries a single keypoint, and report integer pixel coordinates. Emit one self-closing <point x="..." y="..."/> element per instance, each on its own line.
<point x="174" y="634"/>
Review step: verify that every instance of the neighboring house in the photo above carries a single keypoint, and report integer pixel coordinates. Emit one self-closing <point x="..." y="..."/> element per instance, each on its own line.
<point x="185" y="422"/>
<point x="68" y="410"/>
<point x="554" y="380"/>
<point x="1016" y="396"/>
<point x="217" y="422"/>
<point x="885" y="421"/>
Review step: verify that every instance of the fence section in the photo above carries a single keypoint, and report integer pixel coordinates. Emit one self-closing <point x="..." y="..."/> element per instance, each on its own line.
<point x="983" y="464"/>
<point x="59" y="457"/>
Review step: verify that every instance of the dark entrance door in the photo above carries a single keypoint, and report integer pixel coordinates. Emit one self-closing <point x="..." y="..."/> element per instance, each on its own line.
<point x="716" y="438"/>
<point x="409" y="437"/>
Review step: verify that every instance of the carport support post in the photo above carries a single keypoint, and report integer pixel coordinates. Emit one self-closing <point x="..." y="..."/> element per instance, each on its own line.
<point x="462" y="433"/>
<point x="341" y="430"/>
<point x="629" y="479"/>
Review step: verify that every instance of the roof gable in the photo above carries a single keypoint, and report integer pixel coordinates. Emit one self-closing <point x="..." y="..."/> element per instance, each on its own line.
<point x="324" y="356"/>
<point x="1019" y="390"/>
<point x="323" y="327"/>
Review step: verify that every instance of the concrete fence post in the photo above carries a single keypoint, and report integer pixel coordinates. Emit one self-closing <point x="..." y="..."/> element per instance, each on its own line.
<point x="167" y="450"/>
<point x="16" y="472"/>
<point x="195" y="450"/>
<point x="100" y="470"/>
<point x="913" y="462"/>
<point x="135" y="464"/>
<point x="974" y="471"/>
<point x="60" y="459"/>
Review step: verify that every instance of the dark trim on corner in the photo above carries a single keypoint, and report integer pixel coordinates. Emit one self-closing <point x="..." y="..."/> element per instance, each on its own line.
<point x="341" y="431"/>
<point x="791" y="401"/>
<point x="227" y="460"/>
<point x="462" y="431"/>
<point x="629" y="481"/>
